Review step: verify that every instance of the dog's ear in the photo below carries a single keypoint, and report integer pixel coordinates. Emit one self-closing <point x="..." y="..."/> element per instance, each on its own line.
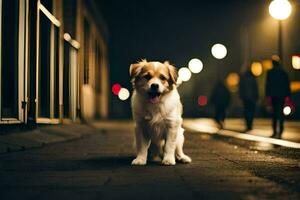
<point x="136" y="68"/>
<point x="172" y="72"/>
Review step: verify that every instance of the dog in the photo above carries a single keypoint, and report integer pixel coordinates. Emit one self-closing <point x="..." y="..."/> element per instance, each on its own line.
<point x="156" y="111"/>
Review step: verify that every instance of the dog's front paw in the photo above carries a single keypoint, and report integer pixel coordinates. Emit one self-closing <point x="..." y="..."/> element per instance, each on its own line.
<point x="169" y="160"/>
<point x="139" y="161"/>
<point x="185" y="159"/>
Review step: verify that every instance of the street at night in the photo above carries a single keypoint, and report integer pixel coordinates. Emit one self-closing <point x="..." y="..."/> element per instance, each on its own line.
<point x="149" y="99"/>
<point x="98" y="166"/>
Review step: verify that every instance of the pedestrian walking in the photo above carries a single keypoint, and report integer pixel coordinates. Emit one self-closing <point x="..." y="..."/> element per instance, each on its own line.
<point x="220" y="98"/>
<point x="277" y="90"/>
<point x="248" y="92"/>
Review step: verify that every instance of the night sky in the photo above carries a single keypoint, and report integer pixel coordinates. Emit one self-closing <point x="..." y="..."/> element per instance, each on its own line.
<point x="178" y="31"/>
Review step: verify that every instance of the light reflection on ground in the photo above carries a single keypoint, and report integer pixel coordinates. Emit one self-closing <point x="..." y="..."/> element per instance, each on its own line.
<point x="265" y="142"/>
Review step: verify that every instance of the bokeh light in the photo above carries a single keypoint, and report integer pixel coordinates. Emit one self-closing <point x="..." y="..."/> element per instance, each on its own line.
<point x="195" y="65"/>
<point x="219" y="51"/>
<point x="287" y="110"/>
<point x="296" y="62"/>
<point x="202" y="100"/>
<point x="280" y="9"/>
<point x="295" y="86"/>
<point x="184" y="74"/>
<point x="256" y="68"/>
<point x="233" y="80"/>
<point x="116" y="88"/>
<point x="267" y="64"/>
<point x="123" y="94"/>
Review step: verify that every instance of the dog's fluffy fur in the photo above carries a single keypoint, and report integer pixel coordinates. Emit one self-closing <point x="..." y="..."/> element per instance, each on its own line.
<point x="157" y="111"/>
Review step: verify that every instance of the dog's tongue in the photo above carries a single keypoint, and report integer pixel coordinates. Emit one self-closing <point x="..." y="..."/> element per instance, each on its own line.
<point x="154" y="100"/>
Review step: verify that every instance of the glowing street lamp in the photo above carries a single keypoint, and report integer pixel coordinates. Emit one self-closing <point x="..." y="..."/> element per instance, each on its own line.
<point x="280" y="10"/>
<point x="195" y="65"/>
<point x="219" y="51"/>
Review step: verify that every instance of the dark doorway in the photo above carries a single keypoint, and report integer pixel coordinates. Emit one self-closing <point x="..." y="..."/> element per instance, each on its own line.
<point x="9" y="73"/>
<point x="66" y="79"/>
<point x="44" y="67"/>
<point x="56" y="72"/>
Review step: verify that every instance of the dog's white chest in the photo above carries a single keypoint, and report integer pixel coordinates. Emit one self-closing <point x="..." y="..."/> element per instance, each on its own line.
<point x="155" y="115"/>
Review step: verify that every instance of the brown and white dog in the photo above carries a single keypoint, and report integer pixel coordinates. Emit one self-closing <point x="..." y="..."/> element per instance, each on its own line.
<point x="157" y="111"/>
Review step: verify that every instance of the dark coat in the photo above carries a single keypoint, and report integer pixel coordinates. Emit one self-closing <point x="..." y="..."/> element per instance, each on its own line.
<point x="220" y="96"/>
<point x="277" y="84"/>
<point x="248" y="89"/>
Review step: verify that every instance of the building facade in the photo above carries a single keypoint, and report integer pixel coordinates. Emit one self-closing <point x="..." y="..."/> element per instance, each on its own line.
<point x="53" y="61"/>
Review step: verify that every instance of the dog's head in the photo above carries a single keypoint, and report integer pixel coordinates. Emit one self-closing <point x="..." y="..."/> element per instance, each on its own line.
<point x="153" y="79"/>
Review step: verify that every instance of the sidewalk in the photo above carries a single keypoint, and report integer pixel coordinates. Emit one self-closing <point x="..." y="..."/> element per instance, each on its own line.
<point x="42" y="135"/>
<point x="261" y="127"/>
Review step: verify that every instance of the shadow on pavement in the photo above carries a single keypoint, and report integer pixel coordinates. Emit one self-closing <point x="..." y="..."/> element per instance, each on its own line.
<point x="109" y="162"/>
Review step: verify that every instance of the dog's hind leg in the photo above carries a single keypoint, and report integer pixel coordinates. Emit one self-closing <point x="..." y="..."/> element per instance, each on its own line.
<point x="180" y="156"/>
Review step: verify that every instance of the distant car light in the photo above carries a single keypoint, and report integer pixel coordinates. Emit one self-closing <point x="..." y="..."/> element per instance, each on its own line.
<point x="202" y="100"/>
<point x="116" y="88"/>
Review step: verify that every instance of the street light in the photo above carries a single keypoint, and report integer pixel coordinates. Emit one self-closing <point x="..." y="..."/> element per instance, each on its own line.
<point x="280" y="10"/>
<point x="256" y="68"/>
<point x="219" y="51"/>
<point x="195" y="65"/>
<point x="184" y="74"/>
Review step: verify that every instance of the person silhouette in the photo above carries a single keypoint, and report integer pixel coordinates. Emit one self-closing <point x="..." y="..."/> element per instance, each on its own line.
<point x="220" y="98"/>
<point x="248" y="92"/>
<point x="277" y="90"/>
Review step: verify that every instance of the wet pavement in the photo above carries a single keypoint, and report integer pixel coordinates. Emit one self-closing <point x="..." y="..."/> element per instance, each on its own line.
<point x="98" y="167"/>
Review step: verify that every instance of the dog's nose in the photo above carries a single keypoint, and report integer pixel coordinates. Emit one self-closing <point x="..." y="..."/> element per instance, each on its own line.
<point x="154" y="86"/>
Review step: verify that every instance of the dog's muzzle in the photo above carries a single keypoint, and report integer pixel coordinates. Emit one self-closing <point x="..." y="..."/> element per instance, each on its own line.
<point x="154" y="94"/>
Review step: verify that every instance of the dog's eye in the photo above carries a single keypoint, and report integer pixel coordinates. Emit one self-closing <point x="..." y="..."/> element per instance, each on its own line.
<point x="147" y="76"/>
<point x="163" y="78"/>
